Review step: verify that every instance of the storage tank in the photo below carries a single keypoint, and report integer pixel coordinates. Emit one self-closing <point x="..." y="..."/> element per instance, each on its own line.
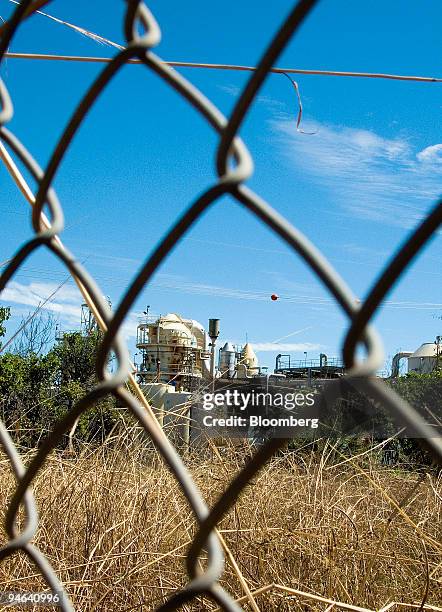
<point x="227" y="361"/>
<point x="424" y="360"/>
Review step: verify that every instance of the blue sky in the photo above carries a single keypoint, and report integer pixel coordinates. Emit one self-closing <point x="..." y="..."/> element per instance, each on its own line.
<point x="355" y="187"/>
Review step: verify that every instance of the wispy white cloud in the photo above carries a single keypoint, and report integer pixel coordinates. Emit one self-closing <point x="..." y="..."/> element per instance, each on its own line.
<point x="178" y="283"/>
<point x="372" y="177"/>
<point x="66" y="302"/>
<point x="175" y="282"/>
<point x="243" y="246"/>
<point x="272" y="104"/>
<point x="231" y="90"/>
<point x="432" y="154"/>
<point x="130" y="323"/>
<point x="290" y="347"/>
<point x="294" y="333"/>
<point x="365" y="251"/>
<point x="113" y="261"/>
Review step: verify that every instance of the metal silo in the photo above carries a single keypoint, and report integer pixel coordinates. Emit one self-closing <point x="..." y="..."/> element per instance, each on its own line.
<point x="227" y="361"/>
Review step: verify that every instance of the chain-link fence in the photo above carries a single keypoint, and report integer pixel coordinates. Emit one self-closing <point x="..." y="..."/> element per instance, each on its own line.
<point x="234" y="166"/>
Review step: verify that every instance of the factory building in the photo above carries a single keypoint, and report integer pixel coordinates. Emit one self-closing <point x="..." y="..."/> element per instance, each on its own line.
<point x="177" y="364"/>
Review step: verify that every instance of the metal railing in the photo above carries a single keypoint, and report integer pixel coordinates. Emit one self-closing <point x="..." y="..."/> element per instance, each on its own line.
<point x="234" y="166"/>
<point x="284" y="362"/>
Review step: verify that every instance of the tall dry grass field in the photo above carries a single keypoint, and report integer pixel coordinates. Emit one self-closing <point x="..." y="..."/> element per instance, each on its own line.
<point x="116" y="528"/>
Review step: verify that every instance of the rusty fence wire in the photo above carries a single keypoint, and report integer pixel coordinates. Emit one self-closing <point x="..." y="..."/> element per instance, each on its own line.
<point x="234" y="166"/>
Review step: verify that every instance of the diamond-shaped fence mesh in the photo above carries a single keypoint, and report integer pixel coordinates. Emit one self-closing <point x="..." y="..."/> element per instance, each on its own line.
<point x="234" y="166"/>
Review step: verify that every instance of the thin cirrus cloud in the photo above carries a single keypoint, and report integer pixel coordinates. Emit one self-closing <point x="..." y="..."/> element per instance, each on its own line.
<point x="371" y="177"/>
<point x="177" y="283"/>
<point x="66" y="303"/>
<point x="274" y="347"/>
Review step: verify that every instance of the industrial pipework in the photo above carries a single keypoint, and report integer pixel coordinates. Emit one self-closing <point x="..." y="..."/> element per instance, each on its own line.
<point x="396" y="362"/>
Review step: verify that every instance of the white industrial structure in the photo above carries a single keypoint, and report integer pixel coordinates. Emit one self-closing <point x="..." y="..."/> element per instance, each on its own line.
<point x="177" y="351"/>
<point x="426" y="359"/>
<point x="178" y="359"/>
<point x="173" y="351"/>
<point x="248" y="364"/>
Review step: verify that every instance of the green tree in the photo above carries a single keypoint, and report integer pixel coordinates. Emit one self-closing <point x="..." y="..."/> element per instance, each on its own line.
<point x="38" y="390"/>
<point x="75" y="355"/>
<point x="424" y="393"/>
<point x="26" y="395"/>
<point x="5" y="314"/>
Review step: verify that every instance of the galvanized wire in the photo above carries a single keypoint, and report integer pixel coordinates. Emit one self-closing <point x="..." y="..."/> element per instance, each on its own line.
<point x="234" y="166"/>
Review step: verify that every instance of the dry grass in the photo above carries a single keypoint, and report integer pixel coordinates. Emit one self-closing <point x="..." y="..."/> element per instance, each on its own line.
<point x="116" y="528"/>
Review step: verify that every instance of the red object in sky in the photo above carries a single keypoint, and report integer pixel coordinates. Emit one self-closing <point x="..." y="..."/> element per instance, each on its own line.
<point x="274" y="297"/>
